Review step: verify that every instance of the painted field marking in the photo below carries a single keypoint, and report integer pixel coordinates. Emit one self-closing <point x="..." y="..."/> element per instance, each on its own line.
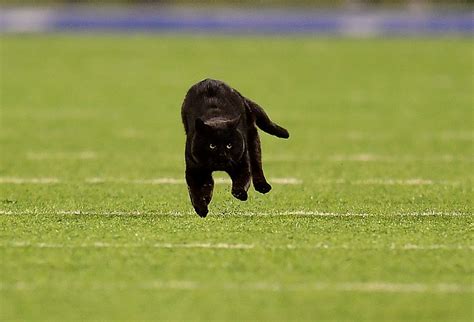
<point x="82" y="212"/>
<point x="284" y="181"/>
<point x="431" y="247"/>
<point x="369" y="157"/>
<point x="81" y="155"/>
<point x="302" y="213"/>
<point x="455" y="135"/>
<point x="350" y="135"/>
<point x="278" y="181"/>
<point x="392" y="182"/>
<point x="404" y="182"/>
<point x="357" y="157"/>
<point x="365" y="135"/>
<point x="16" y="180"/>
<point x="192" y="245"/>
<point x="131" y="133"/>
<point x="161" y="181"/>
<point x="204" y="245"/>
<point x="153" y="181"/>
<point x="366" y="287"/>
<point x="370" y="287"/>
<point x="234" y="246"/>
<point x="349" y="214"/>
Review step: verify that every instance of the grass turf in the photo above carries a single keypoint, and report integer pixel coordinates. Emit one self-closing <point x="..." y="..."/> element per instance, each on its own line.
<point x="381" y="137"/>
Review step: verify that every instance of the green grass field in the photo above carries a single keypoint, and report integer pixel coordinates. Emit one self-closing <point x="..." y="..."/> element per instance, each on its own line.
<point x="370" y="216"/>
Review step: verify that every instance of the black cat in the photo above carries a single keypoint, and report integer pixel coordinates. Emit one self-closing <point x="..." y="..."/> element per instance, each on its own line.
<point x="221" y="135"/>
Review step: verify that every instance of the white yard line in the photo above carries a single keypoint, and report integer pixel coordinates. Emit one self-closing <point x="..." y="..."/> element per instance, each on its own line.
<point x="357" y="157"/>
<point x="152" y="181"/>
<point x="369" y="157"/>
<point x="79" y="155"/>
<point x="235" y="246"/>
<point x="377" y="136"/>
<point x="284" y="181"/>
<point x="85" y="212"/>
<point x="454" y="135"/>
<point x="204" y="245"/>
<point x="134" y="133"/>
<point x="392" y="182"/>
<point x="161" y="181"/>
<point x="192" y="245"/>
<point x="431" y="247"/>
<point x="349" y="214"/>
<point x="385" y="287"/>
<point x="309" y="213"/>
<point x="406" y="182"/>
<point x="277" y="181"/>
<point x="131" y="133"/>
<point x="16" y="180"/>
<point x="369" y="287"/>
<point x="365" y="287"/>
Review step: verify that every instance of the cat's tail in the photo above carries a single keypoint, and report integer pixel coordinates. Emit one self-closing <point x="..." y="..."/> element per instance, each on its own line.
<point x="263" y="121"/>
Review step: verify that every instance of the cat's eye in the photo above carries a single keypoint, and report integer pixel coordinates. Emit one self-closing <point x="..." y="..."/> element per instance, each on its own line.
<point x="229" y="146"/>
<point x="212" y="146"/>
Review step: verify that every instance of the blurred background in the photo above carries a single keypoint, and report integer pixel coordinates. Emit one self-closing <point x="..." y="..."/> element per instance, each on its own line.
<point x="344" y="17"/>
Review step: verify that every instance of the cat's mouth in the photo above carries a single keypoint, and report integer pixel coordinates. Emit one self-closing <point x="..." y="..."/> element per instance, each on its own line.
<point x="222" y="165"/>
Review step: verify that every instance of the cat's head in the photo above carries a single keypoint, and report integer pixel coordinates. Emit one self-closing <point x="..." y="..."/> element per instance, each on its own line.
<point x="218" y="143"/>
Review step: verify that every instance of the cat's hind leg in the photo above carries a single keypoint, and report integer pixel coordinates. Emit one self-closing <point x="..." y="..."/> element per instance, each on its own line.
<point x="240" y="176"/>
<point x="255" y="154"/>
<point x="200" y="186"/>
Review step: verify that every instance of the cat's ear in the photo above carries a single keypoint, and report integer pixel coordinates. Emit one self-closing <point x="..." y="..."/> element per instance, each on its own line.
<point x="201" y="126"/>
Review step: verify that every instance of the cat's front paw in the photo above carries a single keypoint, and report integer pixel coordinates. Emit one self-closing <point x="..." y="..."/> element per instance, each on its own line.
<point x="262" y="187"/>
<point x="201" y="211"/>
<point x="240" y="194"/>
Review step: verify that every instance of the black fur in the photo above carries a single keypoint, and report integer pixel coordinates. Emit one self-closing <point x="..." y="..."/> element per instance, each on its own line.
<point x="221" y="135"/>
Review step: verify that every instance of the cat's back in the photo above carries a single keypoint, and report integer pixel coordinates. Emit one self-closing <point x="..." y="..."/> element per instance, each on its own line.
<point x="210" y="98"/>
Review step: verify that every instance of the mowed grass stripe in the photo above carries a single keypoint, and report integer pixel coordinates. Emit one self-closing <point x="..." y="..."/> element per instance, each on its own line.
<point x="370" y="287"/>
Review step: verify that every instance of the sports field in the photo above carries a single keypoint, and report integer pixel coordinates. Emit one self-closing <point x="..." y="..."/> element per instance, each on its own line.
<point x="370" y="216"/>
